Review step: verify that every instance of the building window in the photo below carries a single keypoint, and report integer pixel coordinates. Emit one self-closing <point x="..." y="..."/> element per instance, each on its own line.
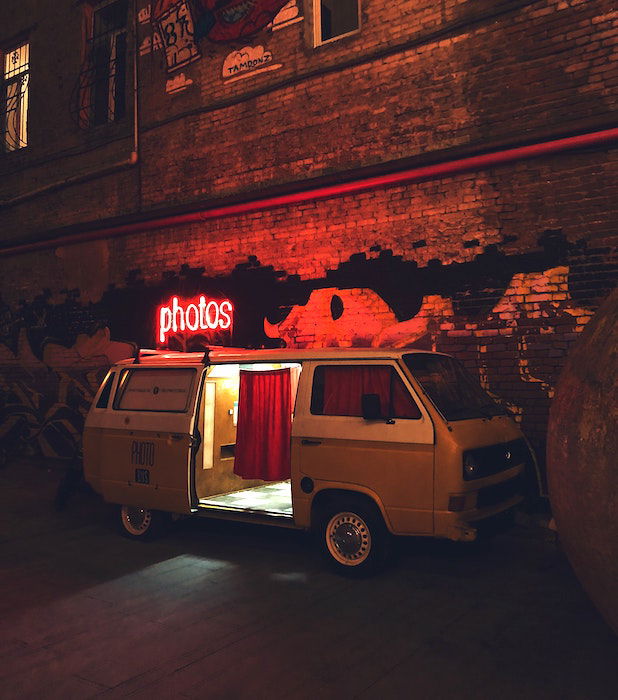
<point x="16" y="76"/>
<point x="109" y="61"/>
<point x="334" y="19"/>
<point x="102" y="83"/>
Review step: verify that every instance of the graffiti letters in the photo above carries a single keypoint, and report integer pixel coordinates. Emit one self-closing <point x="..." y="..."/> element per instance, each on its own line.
<point x="176" y="29"/>
<point x="249" y="59"/>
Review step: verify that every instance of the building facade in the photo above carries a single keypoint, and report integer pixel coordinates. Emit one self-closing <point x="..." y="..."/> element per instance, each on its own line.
<point x="345" y="172"/>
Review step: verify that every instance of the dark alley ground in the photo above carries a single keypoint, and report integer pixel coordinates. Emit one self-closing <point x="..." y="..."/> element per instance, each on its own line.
<point x="222" y="610"/>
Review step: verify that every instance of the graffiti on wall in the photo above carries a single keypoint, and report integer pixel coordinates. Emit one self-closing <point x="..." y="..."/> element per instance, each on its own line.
<point x="230" y="20"/>
<point x="181" y="25"/>
<point x="510" y="318"/>
<point x="177" y="32"/>
<point x="52" y="360"/>
<point x="249" y="60"/>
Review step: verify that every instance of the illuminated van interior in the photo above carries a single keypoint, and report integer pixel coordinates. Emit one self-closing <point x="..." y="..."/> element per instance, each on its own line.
<point x="245" y="414"/>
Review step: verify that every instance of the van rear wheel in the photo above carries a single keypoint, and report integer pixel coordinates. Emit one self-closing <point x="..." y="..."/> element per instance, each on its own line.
<point x="353" y="538"/>
<point x="142" y="523"/>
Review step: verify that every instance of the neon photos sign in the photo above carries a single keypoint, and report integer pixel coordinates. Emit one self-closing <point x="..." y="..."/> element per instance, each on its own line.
<point x="193" y="316"/>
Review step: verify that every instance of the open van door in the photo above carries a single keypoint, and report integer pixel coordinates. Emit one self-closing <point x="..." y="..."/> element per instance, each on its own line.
<point x="145" y="458"/>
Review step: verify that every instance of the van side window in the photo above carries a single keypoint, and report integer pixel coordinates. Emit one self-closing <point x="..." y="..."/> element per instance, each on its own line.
<point x="166" y="390"/>
<point x="106" y="391"/>
<point x="338" y="390"/>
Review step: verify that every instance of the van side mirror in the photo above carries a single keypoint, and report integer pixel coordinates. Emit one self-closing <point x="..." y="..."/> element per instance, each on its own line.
<point x="370" y="406"/>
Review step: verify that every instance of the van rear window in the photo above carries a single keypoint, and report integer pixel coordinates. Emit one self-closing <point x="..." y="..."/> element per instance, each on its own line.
<point x="165" y="390"/>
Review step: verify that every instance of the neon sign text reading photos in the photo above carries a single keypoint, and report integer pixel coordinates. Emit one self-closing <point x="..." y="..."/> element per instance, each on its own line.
<point x="193" y="316"/>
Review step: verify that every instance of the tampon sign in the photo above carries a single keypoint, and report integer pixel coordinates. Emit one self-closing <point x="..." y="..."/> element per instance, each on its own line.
<point x="193" y="316"/>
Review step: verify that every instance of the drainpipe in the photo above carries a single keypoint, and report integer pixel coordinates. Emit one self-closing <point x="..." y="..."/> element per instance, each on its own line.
<point x="488" y="160"/>
<point x="134" y="157"/>
<point x="129" y="162"/>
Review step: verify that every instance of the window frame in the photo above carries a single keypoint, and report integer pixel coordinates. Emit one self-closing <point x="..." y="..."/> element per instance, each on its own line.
<point x="401" y="431"/>
<point x="316" y="13"/>
<point x="110" y="39"/>
<point x="21" y="97"/>
<point x="395" y="375"/>
<point x="123" y="382"/>
<point x="476" y="411"/>
<point x="104" y="396"/>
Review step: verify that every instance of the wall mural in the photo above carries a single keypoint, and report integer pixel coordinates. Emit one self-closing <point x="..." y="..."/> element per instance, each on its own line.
<point x="47" y="384"/>
<point x="181" y="25"/>
<point x="248" y="60"/>
<point x="230" y="20"/>
<point x="510" y="318"/>
<point x="177" y="32"/>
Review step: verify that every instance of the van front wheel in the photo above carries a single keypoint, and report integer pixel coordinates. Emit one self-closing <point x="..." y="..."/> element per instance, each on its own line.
<point x="142" y="523"/>
<point x="354" y="539"/>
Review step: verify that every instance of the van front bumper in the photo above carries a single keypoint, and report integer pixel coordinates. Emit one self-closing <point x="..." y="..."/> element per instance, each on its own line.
<point x="492" y="505"/>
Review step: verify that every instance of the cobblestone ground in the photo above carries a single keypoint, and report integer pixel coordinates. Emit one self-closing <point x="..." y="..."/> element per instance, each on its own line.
<point x="221" y="610"/>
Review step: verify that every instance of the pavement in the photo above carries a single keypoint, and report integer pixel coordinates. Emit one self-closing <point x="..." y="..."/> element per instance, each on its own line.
<point x="227" y="610"/>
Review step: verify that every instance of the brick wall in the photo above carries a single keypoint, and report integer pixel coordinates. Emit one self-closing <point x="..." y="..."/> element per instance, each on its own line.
<point x="502" y="267"/>
<point x="420" y="77"/>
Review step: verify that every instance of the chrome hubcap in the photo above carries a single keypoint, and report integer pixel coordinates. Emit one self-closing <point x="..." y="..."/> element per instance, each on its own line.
<point x="348" y="539"/>
<point x="136" y="520"/>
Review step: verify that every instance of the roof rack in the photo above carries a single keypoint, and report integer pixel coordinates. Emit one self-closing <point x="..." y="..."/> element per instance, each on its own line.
<point x="146" y="352"/>
<point x="216" y="354"/>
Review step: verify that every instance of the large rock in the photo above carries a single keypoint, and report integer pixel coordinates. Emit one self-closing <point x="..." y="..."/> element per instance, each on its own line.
<point x="582" y="455"/>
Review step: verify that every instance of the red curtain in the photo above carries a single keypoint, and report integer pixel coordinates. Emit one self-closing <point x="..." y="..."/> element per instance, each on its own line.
<point x="402" y="403"/>
<point x="264" y="425"/>
<point x="344" y="387"/>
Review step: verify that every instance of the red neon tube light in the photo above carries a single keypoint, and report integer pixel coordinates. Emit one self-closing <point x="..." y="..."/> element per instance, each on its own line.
<point x="428" y="172"/>
<point x="193" y="316"/>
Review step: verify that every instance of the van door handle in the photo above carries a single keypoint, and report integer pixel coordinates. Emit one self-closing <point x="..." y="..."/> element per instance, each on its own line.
<point x="176" y="436"/>
<point x="304" y="441"/>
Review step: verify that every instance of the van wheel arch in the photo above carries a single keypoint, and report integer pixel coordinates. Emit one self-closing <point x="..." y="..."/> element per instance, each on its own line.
<point x="351" y="532"/>
<point x="328" y="497"/>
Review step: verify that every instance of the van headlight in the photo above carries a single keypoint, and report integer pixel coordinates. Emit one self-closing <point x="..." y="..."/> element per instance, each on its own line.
<point x="471" y="467"/>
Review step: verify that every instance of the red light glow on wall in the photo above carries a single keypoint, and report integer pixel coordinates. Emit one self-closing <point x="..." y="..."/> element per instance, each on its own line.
<point x="193" y="317"/>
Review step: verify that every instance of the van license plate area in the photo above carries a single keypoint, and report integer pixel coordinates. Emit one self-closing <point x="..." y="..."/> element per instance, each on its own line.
<point x="142" y="476"/>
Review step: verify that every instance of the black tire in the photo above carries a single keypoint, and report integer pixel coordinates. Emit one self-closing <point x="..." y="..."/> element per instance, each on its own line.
<point x="142" y="524"/>
<point x="353" y="537"/>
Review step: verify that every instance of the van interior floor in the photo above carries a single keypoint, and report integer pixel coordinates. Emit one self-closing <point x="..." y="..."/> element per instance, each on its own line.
<point x="271" y="499"/>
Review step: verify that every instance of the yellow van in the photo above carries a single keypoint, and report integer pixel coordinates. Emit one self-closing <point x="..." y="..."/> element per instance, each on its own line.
<point x="356" y="444"/>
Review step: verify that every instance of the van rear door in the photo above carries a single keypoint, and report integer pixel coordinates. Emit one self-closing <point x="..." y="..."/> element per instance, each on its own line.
<point x="146" y="450"/>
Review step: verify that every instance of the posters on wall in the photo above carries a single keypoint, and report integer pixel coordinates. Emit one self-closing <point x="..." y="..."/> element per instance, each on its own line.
<point x="179" y="26"/>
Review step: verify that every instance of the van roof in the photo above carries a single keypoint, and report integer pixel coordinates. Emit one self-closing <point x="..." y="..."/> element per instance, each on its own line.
<point x="221" y="355"/>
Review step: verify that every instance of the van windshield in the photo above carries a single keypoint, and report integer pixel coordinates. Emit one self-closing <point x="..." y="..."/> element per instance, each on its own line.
<point x="454" y="392"/>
